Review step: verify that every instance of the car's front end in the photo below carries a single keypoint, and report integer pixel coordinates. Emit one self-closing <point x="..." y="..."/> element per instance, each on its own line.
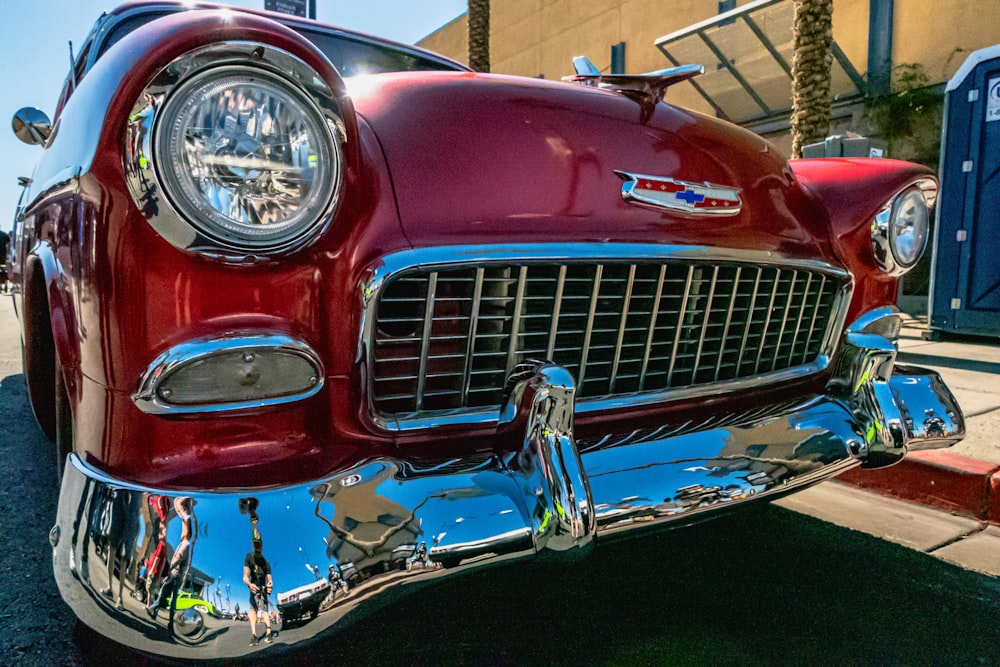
<point x="455" y="320"/>
<point x="302" y="603"/>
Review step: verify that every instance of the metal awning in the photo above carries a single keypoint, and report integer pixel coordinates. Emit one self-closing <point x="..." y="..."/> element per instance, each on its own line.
<point x="747" y="54"/>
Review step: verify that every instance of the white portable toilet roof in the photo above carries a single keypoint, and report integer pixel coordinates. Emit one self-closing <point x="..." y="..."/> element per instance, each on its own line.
<point x="970" y="63"/>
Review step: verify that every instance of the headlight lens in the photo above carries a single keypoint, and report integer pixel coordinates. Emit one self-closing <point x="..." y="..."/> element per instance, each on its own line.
<point x="246" y="158"/>
<point x="908" y="227"/>
<point x="901" y="228"/>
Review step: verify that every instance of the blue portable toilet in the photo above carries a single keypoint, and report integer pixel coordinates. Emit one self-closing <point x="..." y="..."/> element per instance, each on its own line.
<point x="965" y="285"/>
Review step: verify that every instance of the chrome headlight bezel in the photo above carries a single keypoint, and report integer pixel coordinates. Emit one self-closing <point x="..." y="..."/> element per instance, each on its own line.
<point x="155" y="192"/>
<point x="884" y="227"/>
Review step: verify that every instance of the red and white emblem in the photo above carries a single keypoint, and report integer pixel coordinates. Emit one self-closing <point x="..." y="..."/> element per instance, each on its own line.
<point x="696" y="199"/>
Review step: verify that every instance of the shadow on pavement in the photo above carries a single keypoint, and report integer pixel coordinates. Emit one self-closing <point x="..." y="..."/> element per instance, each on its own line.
<point x="948" y="362"/>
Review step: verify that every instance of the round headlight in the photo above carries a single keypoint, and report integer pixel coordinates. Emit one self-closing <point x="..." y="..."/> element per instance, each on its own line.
<point x="908" y="227"/>
<point x="901" y="228"/>
<point x="246" y="158"/>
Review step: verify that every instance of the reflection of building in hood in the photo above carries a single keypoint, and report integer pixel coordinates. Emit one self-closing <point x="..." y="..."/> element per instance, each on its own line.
<point x="366" y="528"/>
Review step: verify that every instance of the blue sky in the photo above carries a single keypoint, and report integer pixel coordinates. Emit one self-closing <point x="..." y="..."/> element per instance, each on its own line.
<point x="35" y="56"/>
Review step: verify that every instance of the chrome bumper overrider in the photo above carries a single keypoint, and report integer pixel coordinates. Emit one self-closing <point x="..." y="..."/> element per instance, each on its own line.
<point x="385" y="523"/>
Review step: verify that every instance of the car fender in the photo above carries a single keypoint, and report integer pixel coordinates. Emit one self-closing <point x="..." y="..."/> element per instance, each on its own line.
<point x="851" y="191"/>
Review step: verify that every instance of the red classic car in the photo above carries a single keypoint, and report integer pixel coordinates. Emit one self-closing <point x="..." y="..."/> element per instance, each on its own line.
<point x="286" y="285"/>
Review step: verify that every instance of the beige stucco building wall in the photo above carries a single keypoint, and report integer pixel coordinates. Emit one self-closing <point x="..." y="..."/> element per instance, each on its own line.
<point x="540" y="37"/>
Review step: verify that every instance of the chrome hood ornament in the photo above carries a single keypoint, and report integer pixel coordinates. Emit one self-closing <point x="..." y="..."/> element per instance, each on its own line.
<point x="646" y="89"/>
<point x="693" y="199"/>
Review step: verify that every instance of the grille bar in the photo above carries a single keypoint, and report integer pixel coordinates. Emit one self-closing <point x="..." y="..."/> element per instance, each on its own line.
<point x="444" y="338"/>
<point x="589" y="332"/>
<point x="729" y="320"/>
<point x="477" y="297"/>
<point x="680" y="325"/>
<point x="621" y="327"/>
<point x="557" y="302"/>
<point x="426" y="338"/>
<point x="652" y="327"/>
<point x="704" y="322"/>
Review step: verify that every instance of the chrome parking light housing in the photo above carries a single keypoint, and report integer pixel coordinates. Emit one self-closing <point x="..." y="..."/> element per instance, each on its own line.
<point x="235" y="151"/>
<point x="230" y="373"/>
<point x="884" y="321"/>
<point x="901" y="228"/>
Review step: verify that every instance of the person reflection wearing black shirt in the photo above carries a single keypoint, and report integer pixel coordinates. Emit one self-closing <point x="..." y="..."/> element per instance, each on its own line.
<point x="257" y="577"/>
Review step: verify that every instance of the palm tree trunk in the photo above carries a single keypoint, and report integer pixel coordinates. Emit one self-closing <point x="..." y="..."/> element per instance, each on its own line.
<point x="479" y="35"/>
<point x="811" y="72"/>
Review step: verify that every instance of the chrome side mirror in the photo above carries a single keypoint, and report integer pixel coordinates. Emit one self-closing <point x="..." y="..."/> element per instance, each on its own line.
<point x="31" y="125"/>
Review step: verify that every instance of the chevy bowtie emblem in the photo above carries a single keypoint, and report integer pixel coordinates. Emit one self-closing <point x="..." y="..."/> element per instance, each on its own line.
<point x="694" y="199"/>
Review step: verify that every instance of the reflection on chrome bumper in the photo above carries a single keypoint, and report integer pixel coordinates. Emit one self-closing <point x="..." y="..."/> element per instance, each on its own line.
<point x="385" y="523"/>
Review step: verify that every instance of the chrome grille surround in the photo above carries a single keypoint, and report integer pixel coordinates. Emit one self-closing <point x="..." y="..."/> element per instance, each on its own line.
<point x="608" y="311"/>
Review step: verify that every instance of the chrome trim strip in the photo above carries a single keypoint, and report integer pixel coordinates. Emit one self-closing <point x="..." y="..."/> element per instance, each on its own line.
<point x="589" y="330"/>
<point x="652" y="327"/>
<point x="784" y="319"/>
<point x="704" y="324"/>
<point x="729" y="318"/>
<point x="622" y="328"/>
<point x="477" y="297"/>
<point x="746" y="327"/>
<point x="443" y="257"/>
<point x="148" y="399"/>
<point x="842" y="301"/>
<point x="556" y="311"/>
<point x="425" y="340"/>
<point x="812" y="322"/>
<point x="515" y="325"/>
<point x="767" y="319"/>
<point x="802" y="310"/>
<point x="680" y="324"/>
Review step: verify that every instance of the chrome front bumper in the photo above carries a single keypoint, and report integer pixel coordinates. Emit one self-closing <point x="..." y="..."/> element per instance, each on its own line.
<point x="387" y="523"/>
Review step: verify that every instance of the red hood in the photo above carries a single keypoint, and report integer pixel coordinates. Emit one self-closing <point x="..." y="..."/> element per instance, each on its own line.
<point x="483" y="158"/>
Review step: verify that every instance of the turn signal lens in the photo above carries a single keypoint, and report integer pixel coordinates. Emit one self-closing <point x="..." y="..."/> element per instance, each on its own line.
<point x="236" y="377"/>
<point x="230" y="373"/>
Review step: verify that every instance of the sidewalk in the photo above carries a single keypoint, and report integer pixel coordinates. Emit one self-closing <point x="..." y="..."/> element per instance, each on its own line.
<point x="943" y="502"/>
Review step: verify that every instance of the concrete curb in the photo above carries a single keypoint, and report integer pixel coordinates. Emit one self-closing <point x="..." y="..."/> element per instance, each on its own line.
<point x="940" y="479"/>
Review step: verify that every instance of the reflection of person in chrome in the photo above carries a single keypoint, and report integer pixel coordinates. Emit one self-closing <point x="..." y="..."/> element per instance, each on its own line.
<point x="157" y="561"/>
<point x="123" y="527"/>
<point x="180" y="560"/>
<point x="257" y="577"/>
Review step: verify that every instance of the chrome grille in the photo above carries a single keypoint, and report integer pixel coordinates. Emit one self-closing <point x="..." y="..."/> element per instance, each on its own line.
<point x="446" y="338"/>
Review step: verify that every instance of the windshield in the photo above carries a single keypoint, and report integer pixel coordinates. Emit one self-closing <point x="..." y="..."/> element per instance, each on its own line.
<point x="351" y="54"/>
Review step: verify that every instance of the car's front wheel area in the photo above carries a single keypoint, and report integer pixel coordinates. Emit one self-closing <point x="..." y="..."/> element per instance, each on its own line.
<point x="38" y="356"/>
